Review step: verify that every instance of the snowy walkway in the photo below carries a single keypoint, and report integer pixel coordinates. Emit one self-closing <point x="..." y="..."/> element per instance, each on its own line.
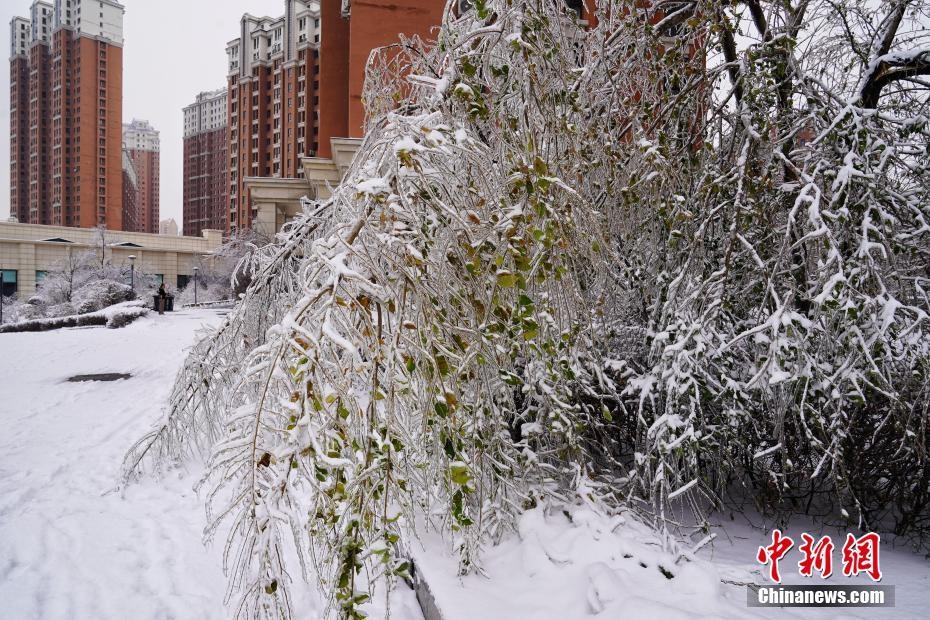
<point x="67" y="548"/>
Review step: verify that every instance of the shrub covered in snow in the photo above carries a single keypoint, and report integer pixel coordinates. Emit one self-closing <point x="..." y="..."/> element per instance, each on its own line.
<point x="99" y="294"/>
<point x="206" y="292"/>
<point x="68" y="276"/>
<point x="82" y="283"/>
<point x="14" y="310"/>
<point x="686" y="264"/>
<point x="113" y="317"/>
<point x="122" y="315"/>
<point x="62" y="309"/>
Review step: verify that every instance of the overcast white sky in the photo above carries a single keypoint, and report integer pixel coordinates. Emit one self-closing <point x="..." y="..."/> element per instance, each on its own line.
<point x="173" y="50"/>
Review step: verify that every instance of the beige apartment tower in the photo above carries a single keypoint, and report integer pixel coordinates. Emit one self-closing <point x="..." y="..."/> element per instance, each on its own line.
<point x="142" y="144"/>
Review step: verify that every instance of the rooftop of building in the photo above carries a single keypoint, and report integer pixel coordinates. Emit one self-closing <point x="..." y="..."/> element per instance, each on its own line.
<point x="108" y="31"/>
<point x="37" y="233"/>
<point x="207" y="95"/>
<point x="139" y="125"/>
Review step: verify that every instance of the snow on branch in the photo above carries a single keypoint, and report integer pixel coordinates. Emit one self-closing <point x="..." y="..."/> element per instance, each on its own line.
<point x="563" y="256"/>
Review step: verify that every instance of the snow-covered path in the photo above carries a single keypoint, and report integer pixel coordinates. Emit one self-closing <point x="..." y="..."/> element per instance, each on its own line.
<point x="69" y="547"/>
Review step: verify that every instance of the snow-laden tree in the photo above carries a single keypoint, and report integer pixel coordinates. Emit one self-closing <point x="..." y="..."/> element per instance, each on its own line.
<point x="225" y="273"/>
<point x="678" y="253"/>
<point x="67" y="276"/>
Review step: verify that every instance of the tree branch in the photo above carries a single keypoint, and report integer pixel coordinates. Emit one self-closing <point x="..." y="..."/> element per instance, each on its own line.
<point x="891" y="68"/>
<point x="729" y="54"/>
<point x="675" y="14"/>
<point x="893" y="19"/>
<point x="797" y="17"/>
<point x="758" y="18"/>
<point x="886" y="67"/>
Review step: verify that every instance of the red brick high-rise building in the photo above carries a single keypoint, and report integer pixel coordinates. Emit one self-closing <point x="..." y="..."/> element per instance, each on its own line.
<point x="131" y="213"/>
<point x="206" y="164"/>
<point x="143" y="145"/>
<point x="296" y="81"/>
<point x="66" y="100"/>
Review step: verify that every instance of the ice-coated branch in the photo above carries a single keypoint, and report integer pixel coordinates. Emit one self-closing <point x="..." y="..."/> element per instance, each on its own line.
<point x="564" y="259"/>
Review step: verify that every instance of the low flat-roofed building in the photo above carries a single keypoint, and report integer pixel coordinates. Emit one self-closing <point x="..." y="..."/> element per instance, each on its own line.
<point x="29" y="251"/>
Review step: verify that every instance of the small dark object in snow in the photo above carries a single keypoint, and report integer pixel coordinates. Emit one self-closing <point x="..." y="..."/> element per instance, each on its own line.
<point x="109" y="376"/>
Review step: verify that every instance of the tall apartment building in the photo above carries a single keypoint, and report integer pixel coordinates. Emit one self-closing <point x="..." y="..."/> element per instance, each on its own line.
<point x="206" y="163"/>
<point x="169" y="227"/>
<point x="131" y="221"/>
<point x="296" y="81"/>
<point x="66" y="101"/>
<point x="143" y="145"/>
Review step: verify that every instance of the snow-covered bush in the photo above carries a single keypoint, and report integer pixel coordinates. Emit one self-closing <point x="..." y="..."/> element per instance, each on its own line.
<point x="62" y="309"/>
<point x="206" y="292"/>
<point x="14" y="310"/>
<point x="123" y="314"/>
<point x="650" y="260"/>
<point x="99" y="294"/>
<point x="113" y="317"/>
<point x="82" y="282"/>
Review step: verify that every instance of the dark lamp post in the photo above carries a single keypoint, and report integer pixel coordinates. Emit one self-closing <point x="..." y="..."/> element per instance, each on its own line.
<point x="132" y="271"/>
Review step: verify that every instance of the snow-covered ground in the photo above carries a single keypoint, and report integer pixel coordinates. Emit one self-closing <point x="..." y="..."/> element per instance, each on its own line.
<point x="576" y="563"/>
<point x="70" y="547"/>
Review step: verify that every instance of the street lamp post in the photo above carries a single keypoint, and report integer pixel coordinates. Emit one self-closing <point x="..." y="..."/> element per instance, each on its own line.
<point x="132" y="271"/>
<point x="1" y="294"/>
<point x="196" y="269"/>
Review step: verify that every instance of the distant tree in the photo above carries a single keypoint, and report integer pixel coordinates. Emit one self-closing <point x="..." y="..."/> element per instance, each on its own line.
<point x="102" y="282"/>
<point x="104" y="239"/>
<point x="235" y="258"/>
<point x="66" y="276"/>
<point x="226" y="272"/>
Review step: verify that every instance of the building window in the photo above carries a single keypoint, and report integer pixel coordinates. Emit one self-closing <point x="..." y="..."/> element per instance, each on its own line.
<point x="9" y="282"/>
<point x="40" y="276"/>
